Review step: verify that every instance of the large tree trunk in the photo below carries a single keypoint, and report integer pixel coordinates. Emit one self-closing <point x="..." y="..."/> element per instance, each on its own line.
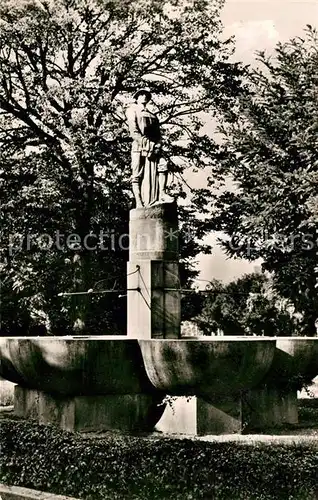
<point x="82" y="260"/>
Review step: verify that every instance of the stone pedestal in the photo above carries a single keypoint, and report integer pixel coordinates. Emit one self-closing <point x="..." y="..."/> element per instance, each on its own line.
<point x="273" y="403"/>
<point x="153" y="273"/>
<point x="125" y="412"/>
<point x="267" y="408"/>
<point x="197" y="416"/>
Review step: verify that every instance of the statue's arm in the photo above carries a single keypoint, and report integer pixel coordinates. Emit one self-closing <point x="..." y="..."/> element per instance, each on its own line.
<point x="133" y="125"/>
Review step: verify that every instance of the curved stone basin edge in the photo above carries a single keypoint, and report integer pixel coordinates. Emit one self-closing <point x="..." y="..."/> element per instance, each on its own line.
<point x="79" y="365"/>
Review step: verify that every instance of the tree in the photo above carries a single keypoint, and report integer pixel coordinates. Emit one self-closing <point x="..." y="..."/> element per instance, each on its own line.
<point x="247" y="306"/>
<point x="68" y="69"/>
<point x="270" y="153"/>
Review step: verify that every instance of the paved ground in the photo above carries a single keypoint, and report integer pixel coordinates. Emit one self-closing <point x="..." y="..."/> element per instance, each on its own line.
<point x="303" y="436"/>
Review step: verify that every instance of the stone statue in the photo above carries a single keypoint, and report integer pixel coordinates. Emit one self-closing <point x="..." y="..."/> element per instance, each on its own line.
<point x="149" y="170"/>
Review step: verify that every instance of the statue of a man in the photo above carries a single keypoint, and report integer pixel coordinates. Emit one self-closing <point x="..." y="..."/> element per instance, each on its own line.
<point x="149" y="171"/>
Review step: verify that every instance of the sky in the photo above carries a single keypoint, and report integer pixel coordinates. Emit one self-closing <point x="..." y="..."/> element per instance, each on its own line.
<point x="257" y="25"/>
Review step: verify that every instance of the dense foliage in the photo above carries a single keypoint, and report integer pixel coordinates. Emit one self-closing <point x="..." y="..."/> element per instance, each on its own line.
<point x="68" y="69"/>
<point x="123" y="467"/>
<point x="247" y="306"/>
<point x="271" y="155"/>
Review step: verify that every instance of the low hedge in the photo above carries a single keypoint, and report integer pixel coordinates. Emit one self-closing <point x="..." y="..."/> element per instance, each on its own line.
<point x="126" y="467"/>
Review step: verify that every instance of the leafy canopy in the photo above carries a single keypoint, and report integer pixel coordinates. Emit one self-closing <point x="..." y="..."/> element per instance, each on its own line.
<point x="68" y="69"/>
<point x="247" y="306"/>
<point x="270" y="153"/>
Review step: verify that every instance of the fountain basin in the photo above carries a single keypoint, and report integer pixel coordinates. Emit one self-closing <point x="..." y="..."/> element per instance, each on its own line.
<point x="111" y="382"/>
<point x="303" y="358"/>
<point x="68" y="366"/>
<point x="87" y="384"/>
<point x="206" y="367"/>
<point x="295" y="363"/>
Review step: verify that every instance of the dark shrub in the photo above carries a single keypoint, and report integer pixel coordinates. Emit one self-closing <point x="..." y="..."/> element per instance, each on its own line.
<point x="127" y="467"/>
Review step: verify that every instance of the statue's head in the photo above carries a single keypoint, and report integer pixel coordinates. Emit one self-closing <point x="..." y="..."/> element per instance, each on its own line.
<point x="142" y="96"/>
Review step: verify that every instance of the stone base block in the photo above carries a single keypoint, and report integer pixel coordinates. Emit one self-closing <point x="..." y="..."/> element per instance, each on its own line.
<point x="153" y="299"/>
<point x="153" y="232"/>
<point x="269" y="408"/>
<point x="127" y="412"/>
<point x="198" y="417"/>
